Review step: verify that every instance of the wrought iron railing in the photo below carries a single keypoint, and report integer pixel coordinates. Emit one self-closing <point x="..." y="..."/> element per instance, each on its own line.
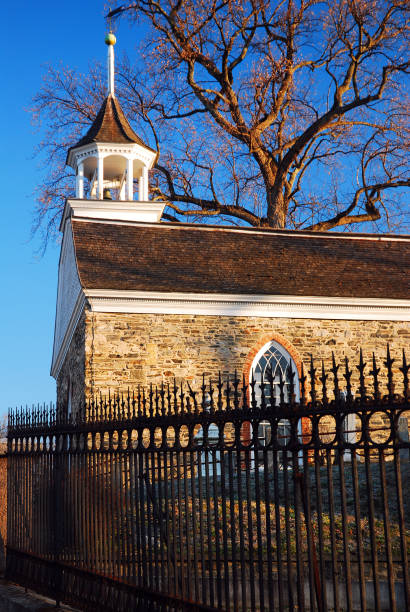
<point x="168" y="498"/>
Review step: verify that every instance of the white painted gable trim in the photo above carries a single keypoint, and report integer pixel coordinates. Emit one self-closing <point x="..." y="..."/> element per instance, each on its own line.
<point x="302" y="307"/>
<point x="60" y="355"/>
<point x="69" y="296"/>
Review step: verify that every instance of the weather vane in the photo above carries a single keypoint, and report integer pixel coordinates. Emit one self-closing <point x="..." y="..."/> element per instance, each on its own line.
<point x="112" y="14"/>
<point x="110" y="41"/>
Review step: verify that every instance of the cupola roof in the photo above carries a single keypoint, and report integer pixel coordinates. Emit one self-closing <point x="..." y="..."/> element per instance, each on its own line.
<point x="110" y="125"/>
<point x="111" y="155"/>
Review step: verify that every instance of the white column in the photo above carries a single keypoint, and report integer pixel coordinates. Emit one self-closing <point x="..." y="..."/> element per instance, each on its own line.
<point x="141" y="188"/>
<point x="122" y="186"/>
<point x="79" y="191"/>
<point x="100" y="178"/>
<point x="130" y="179"/>
<point x="145" y="182"/>
<point x="110" y="66"/>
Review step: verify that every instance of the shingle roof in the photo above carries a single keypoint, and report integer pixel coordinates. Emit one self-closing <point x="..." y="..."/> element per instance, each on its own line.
<point x="110" y="125"/>
<point x="184" y="258"/>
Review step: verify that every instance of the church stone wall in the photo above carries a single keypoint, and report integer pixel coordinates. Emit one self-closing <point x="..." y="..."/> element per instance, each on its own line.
<point x="73" y="370"/>
<point x="124" y="350"/>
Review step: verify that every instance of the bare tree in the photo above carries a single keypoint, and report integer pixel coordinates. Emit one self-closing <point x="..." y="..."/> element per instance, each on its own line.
<point x="282" y="114"/>
<point x="3" y="433"/>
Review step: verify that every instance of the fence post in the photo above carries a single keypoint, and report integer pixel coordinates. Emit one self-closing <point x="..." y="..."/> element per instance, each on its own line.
<point x="58" y="515"/>
<point x="403" y="435"/>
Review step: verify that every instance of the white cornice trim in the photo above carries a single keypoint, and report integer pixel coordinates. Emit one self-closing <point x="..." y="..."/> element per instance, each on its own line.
<point x="59" y="356"/>
<point x="133" y="149"/>
<point x="113" y="210"/>
<point x="274" y="306"/>
<point x="299" y="307"/>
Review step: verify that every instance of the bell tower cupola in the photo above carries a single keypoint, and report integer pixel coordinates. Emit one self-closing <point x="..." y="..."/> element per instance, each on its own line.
<point x="112" y="162"/>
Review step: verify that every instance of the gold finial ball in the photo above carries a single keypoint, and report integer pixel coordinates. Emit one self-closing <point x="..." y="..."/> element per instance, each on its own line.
<point x="110" y="39"/>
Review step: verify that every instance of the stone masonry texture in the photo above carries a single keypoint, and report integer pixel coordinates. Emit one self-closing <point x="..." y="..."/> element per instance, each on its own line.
<point x="73" y="369"/>
<point x="124" y="350"/>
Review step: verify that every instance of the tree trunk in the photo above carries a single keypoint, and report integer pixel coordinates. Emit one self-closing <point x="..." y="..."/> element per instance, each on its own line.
<point x="277" y="208"/>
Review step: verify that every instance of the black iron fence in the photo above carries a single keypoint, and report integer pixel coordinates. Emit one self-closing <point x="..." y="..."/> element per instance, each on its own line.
<point x="174" y="499"/>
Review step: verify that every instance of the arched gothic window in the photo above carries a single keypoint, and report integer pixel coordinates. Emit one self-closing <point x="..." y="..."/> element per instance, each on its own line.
<point x="273" y="356"/>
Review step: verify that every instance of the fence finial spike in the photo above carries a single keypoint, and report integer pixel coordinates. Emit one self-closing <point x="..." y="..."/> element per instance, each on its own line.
<point x="220" y="387"/>
<point x="151" y="400"/>
<point x="203" y="393"/>
<point x="302" y="385"/>
<point x="262" y="389"/>
<point x="312" y="373"/>
<point x="235" y="391"/>
<point x="374" y="372"/>
<point x="388" y="364"/>
<point x="182" y="397"/>
<point x="228" y="393"/>
<point x="253" y="393"/>
<point x="244" y="393"/>
<point x="291" y="379"/>
<point x="162" y="396"/>
<point x="389" y="361"/>
<point x="211" y="392"/>
<point x="323" y="380"/>
<point x="144" y="403"/>
<point x="175" y="396"/>
<point x="281" y="388"/>
<point x="193" y="395"/>
<point x="110" y="407"/>
<point x="269" y="376"/>
<point x="362" y="386"/>
<point x="169" y="404"/>
<point x="334" y="369"/>
<point x="405" y="371"/>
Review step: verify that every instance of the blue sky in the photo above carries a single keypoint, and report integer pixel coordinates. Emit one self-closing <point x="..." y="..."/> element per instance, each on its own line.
<point x="36" y="33"/>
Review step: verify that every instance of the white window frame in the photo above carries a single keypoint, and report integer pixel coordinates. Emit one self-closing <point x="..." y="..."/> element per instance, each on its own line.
<point x="289" y="358"/>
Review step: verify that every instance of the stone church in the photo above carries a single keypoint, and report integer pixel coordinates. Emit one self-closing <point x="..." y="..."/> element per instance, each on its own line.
<point x="141" y="300"/>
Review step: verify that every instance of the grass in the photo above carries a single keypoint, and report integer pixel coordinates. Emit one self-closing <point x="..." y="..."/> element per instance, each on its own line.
<point x="241" y="520"/>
